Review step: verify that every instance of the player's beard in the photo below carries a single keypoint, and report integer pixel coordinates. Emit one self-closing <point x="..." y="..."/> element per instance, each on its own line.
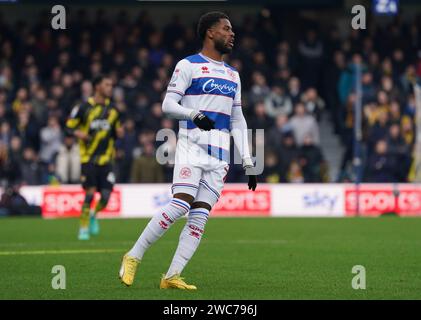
<point x="222" y="47"/>
<point x="107" y="95"/>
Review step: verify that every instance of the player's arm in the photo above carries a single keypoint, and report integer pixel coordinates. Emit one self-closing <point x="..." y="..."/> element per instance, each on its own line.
<point x="180" y="81"/>
<point x="118" y="127"/>
<point x="240" y="135"/>
<point x="74" y="121"/>
<point x="119" y="130"/>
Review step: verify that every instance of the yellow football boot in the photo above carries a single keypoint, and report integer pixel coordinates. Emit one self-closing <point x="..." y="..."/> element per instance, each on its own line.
<point x="128" y="269"/>
<point x="175" y="282"/>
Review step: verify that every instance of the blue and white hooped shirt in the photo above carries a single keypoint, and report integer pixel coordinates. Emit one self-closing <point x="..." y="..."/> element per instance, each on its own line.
<point x="213" y="88"/>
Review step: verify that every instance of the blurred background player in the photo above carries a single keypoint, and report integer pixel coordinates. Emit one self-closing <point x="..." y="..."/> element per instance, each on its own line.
<point x="204" y="93"/>
<point x="96" y="124"/>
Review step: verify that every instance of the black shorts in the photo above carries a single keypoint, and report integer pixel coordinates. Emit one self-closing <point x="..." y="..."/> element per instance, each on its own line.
<point x="100" y="177"/>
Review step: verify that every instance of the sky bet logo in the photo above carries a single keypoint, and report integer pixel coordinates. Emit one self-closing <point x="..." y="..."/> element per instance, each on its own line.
<point x="316" y="199"/>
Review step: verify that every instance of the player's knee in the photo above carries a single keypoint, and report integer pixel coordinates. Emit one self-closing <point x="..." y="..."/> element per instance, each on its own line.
<point x="185" y="197"/>
<point x="201" y="204"/>
<point x="105" y="196"/>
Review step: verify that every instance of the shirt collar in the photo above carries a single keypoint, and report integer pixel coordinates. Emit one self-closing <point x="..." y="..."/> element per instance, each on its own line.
<point x="221" y="63"/>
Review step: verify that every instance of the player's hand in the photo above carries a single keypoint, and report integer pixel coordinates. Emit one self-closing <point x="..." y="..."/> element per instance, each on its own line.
<point x="120" y="132"/>
<point x="251" y="173"/>
<point x="81" y="135"/>
<point x="252" y="182"/>
<point x="203" y="122"/>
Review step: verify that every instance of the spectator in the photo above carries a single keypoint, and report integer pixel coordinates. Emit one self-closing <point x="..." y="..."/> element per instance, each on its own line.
<point x="407" y="129"/>
<point x="275" y="134"/>
<point x="368" y="88"/>
<point x="304" y="124"/>
<point x="154" y="118"/>
<point x="400" y="151"/>
<point x="86" y="90"/>
<point x="287" y="153"/>
<point x="260" y="119"/>
<point x="10" y="170"/>
<point x="410" y="106"/>
<point x="379" y="130"/>
<point x="68" y="161"/>
<point x="5" y="133"/>
<point x="294" y="90"/>
<point x="408" y="79"/>
<point x="381" y="165"/>
<point x="348" y="135"/>
<point x="27" y="129"/>
<point x="124" y="147"/>
<point x="51" y="138"/>
<point x="311" y="53"/>
<point x="347" y="78"/>
<point x="259" y="90"/>
<point x="389" y="88"/>
<point x="39" y="104"/>
<point x="31" y="169"/>
<point x="395" y="112"/>
<point x="13" y="203"/>
<point x="277" y="102"/>
<point x="313" y="103"/>
<point x="146" y="169"/>
<point x="295" y="174"/>
<point x="15" y="150"/>
<point x="272" y="172"/>
<point x="311" y="160"/>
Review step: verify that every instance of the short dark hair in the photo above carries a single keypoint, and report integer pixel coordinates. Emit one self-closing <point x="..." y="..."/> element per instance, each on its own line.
<point x="98" y="79"/>
<point x="208" y="20"/>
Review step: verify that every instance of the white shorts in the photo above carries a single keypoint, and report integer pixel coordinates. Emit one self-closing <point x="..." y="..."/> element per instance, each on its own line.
<point x="198" y="174"/>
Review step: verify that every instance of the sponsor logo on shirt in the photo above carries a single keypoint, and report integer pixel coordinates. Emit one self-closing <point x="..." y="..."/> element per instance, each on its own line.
<point x="205" y="70"/>
<point x="100" y="124"/>
<point x="211" y="86"/>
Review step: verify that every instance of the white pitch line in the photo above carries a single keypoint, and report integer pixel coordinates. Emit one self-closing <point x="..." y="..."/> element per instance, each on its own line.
<point x="81" y="251"/>
<point x="43" y="252"/>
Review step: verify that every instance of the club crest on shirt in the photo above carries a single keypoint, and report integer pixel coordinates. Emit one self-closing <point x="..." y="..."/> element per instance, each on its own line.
<point x="185" y="173"/>
<point x="231" y="74"/>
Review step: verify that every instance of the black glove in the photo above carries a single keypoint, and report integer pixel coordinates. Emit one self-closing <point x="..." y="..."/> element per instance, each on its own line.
<point x="203" y="122"/>
<point x="250" y="172"/>
<point x="252" y="181"/>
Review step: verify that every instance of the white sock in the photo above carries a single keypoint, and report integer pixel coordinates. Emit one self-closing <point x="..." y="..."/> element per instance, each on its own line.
<point x="189" y="240"/>
<point x="158" y="225"/>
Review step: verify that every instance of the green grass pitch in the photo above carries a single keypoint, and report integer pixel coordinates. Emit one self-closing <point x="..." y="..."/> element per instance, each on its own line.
<point x="239" y="258"/>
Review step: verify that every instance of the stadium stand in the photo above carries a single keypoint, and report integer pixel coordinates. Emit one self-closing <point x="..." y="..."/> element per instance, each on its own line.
<point x="287" y="86"/>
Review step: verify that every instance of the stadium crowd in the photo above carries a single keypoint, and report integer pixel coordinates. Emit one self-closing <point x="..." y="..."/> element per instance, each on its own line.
<point x="287" y="86"/>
